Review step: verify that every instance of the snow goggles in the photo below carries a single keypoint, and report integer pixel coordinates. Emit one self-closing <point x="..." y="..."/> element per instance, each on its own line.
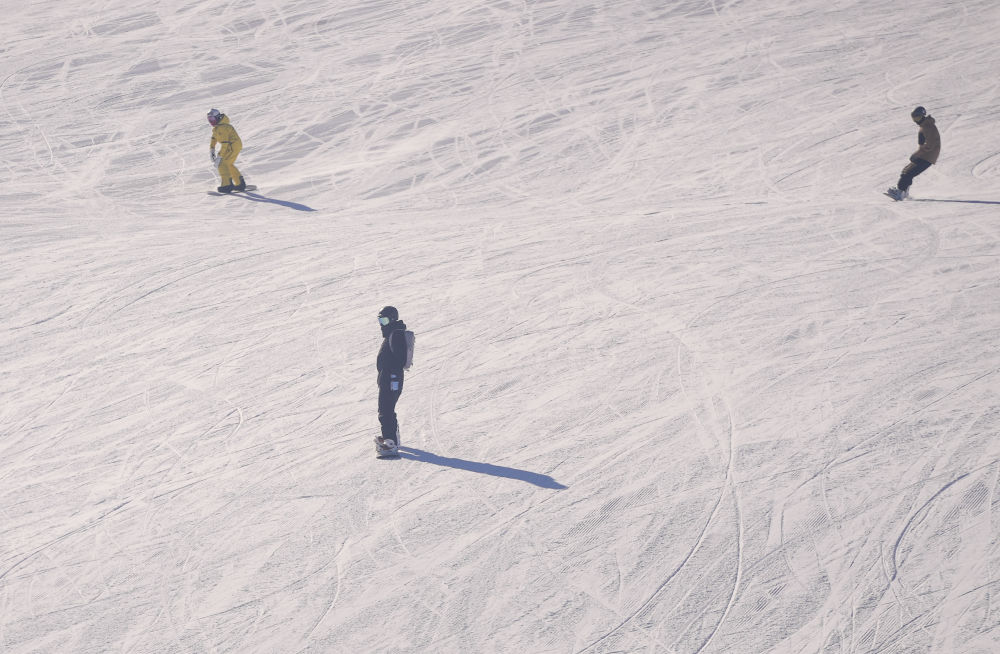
<point x="382" y="320"/>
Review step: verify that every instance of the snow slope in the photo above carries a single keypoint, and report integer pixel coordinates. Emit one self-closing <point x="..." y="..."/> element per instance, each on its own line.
<point x="685" y="381"/>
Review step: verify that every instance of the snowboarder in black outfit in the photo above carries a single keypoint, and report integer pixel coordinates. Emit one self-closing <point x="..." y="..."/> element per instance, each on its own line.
<point x="929" y="142"/>
<point x="390" y="362"/>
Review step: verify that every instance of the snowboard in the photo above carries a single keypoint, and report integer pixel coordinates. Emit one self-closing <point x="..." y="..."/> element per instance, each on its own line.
<point x="250" y="187"/>
<point x="389" y="452"/>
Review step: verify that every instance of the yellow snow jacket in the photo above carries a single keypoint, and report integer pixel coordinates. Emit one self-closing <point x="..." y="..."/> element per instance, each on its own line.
<point x="225" y="134"/>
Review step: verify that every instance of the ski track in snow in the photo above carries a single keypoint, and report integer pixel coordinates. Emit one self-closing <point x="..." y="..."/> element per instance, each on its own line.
<point x="685" y="382"/>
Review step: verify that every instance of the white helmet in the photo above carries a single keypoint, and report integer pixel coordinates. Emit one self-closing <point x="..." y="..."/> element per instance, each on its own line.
<point x="214" y="116"/>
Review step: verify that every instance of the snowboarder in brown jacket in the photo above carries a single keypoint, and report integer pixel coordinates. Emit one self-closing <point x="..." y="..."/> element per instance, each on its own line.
<point x="929" y="140"/>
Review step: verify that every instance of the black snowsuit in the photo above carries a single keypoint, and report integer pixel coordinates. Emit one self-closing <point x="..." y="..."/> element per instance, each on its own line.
<point x="390" y="362"/>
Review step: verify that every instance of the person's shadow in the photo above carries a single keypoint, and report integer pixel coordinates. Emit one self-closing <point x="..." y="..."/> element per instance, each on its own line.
<point x="256" y="197"/>
<point x="543" y="481"/>
<point x="959" y="201"/>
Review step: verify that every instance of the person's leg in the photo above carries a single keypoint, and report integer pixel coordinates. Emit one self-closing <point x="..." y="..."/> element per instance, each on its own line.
<point x="387" y="413"/>
<point x="230" y="173"/>
<point x="234" y="151"/>
<point x="223" y="172"/>
<point x="910" y="171"/>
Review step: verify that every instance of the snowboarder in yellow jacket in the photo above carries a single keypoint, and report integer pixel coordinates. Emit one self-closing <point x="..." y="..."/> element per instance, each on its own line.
<point x="225" y="135"/>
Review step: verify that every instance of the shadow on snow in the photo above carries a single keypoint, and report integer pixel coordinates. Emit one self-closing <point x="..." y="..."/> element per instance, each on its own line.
<point x="960" y="201"/>
<point x="544" y="481"/>
<point x="255" y="197"/>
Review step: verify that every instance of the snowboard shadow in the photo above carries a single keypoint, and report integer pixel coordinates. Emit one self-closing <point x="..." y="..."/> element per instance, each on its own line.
<point x="256" y="197"/>
<point x="959" y="201"/>
<point x="542" y="481"/>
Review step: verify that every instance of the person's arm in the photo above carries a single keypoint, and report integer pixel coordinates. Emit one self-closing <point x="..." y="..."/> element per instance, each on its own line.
<point x="397" y="344"/>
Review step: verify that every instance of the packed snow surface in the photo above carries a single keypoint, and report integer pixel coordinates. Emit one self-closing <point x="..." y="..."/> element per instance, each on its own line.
<point x="685" y="380"/>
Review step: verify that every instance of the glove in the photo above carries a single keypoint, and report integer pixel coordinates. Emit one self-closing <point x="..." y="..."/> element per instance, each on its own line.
<point x="212" y="154"/>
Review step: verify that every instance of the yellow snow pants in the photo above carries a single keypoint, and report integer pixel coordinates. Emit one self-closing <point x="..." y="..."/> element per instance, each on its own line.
<point x="228" y="171"/>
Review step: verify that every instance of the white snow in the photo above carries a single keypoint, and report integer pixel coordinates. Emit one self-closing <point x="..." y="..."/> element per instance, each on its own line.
<point x="685" y="380"/>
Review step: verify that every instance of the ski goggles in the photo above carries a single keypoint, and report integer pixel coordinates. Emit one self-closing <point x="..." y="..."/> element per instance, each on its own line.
<point x="382" y="320"/>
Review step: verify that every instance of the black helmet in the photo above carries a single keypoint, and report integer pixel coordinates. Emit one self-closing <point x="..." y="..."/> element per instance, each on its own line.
<point x="918" y="114"/>
<point x="389" y="312"/>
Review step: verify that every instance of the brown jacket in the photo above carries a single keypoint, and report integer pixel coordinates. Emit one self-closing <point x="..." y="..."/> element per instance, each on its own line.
<point x="929" y="140"/>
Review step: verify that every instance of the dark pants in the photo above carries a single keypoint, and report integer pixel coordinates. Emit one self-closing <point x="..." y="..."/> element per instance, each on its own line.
<point x="912" y="169"/>
<point x="387" y="399"/>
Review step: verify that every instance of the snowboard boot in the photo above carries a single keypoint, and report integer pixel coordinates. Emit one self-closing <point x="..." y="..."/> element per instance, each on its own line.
<point x="242" y="186"/>
<point x="228" y="188"/>
<point x="385" y="447"/>
<point x="896" y="194"/>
